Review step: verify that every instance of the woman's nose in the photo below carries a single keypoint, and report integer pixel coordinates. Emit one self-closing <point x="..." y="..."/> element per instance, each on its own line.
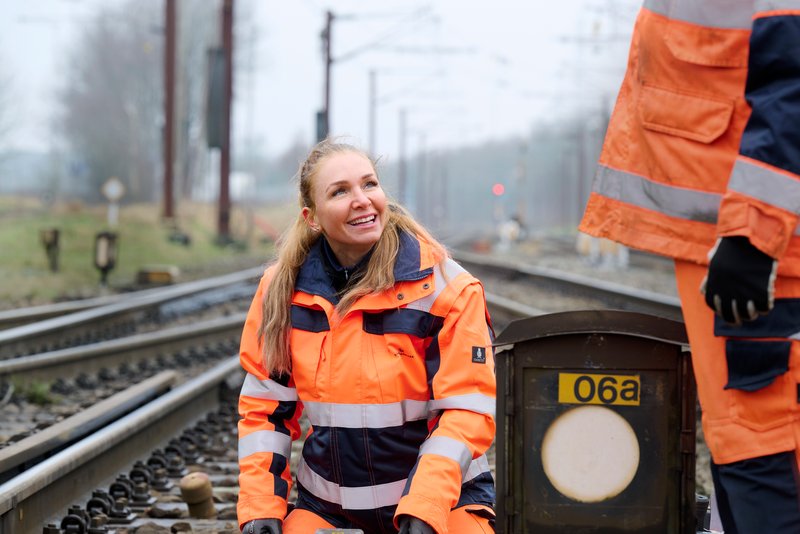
<point x="360" y="198"/>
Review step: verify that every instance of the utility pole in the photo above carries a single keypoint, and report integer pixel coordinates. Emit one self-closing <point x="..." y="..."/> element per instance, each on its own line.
<point x="583" y="177"/>
<point x="422" y="185"/>
<point x="442" y="212"/>
<point x="224" y="216"/>
<point x="373" y="104"/>
<point x="169" y="107"/>
<point x="401" y="164"/>
<point x="522" y="179"/>
<point x="323" y="117"/>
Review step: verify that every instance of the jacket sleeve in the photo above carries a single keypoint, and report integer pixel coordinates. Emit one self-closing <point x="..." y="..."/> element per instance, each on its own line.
<point x="463" y="390"/>
<point x="762" y="201"/>
<point x="269" y="412"/>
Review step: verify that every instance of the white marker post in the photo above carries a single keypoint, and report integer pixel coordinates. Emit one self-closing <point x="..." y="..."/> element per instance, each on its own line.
<point x="113" y="190"/>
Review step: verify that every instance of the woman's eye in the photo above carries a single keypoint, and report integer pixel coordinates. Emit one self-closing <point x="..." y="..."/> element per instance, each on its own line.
<point x="370" y="184"/>
<point x="338" y="192"/>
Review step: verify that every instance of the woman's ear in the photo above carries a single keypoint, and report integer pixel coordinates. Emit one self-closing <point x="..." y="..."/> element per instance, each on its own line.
<point x="308" y="216"/>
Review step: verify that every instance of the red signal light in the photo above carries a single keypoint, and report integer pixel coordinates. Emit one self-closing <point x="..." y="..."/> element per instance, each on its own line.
<point x="498" y="189"/>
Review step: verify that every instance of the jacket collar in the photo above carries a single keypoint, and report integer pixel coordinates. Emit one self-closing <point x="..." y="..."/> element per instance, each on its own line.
<point x="409" y="266"/>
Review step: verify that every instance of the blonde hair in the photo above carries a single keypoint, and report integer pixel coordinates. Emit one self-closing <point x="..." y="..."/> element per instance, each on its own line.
<point x="293" y="249"/>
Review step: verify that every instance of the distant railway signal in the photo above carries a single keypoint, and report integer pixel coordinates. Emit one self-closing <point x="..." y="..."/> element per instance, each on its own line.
<point x="113" y="189"/>
<point x="49" y="239"/>
<point x="105" y="254"/>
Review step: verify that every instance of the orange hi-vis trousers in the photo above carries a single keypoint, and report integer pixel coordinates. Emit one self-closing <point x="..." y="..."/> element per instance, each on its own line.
<point x="748" y="412"/>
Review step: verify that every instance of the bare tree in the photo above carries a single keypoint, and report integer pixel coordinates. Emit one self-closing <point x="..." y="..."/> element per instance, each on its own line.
<point x="111" y="100"/>
<point x="5" y="108"/>
<point x="198" y="29"/>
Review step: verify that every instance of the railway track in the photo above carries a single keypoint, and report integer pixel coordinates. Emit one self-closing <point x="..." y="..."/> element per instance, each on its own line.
<point x="101" y="319"/>
<point x="166" y="293"/>
<point x="515" y="289"/>
<point x="195" y="423"/>
<point x="178" y="345"/>
<point x="59" y="478"/>
<point x="80" y="379"/>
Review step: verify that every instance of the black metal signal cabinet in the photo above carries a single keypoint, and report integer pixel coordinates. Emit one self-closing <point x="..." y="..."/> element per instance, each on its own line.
<point x="596" y="425"/>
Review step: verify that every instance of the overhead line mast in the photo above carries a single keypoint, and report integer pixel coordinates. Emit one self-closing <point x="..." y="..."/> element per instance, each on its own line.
<point x="169" y="108"/>
<point x="223" y="221"/>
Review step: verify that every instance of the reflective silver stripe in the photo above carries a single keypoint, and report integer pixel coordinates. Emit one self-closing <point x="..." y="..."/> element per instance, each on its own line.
<point x="767" y="185"/>
<point x="365" y="415"/>
<point x="657" y="6"/>
<point x="449" y="448"/>
<point x="267" y="389"/>
<point x="474" y="402"/>
<point x="350" y="498"/>
<point x="670" y="200"/>
<point x="776" y="5"/>
<point x="478" y="466"/>
<point x="452" y="269"/>
<point x="729" y="14"/>
<point x="673" y="201"/>
<point x="265" y="441"/>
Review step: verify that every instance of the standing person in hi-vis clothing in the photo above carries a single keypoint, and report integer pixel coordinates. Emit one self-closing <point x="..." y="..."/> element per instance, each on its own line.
<point x="701" y="163"/>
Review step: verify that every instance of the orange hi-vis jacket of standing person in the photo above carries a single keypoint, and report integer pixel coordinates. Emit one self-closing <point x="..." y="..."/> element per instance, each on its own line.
<point x="400" y="394"/>
<point x="675" y="172"/>
<point x="704" y="143"/>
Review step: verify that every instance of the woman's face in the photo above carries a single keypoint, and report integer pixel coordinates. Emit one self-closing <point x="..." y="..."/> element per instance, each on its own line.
<point x="349" y="205"/>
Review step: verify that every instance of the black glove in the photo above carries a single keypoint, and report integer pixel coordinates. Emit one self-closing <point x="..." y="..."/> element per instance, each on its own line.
<point x="411" y="525"/>
<point x="741" y="280"/>
<point x="263" y="526"/>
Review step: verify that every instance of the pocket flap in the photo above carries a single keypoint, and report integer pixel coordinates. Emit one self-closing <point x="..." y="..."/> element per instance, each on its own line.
<point x="692" y="117"/>
<point x="753" y="365"/>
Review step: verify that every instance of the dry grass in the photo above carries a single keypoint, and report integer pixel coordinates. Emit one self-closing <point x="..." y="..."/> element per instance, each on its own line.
<point x="143" y="239"/>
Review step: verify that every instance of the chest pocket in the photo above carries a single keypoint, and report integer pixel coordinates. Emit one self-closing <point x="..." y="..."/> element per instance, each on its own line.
<point x="309" y="328"/>
<point x="401" y="337"/>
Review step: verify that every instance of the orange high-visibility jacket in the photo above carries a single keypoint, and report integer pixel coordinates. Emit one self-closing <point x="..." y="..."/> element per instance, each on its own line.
<point x="400" y="394"/>
<point x="684" y="160"/>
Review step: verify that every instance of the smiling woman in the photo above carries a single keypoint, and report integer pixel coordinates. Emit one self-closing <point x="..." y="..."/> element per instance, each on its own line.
<point x="384" y="341"/>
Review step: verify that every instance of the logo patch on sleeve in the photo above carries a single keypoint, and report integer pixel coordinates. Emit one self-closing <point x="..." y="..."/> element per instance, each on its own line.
<point x="478" y="354"/>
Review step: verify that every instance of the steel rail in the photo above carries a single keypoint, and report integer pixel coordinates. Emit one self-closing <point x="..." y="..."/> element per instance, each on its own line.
<point x="504" y="310"/>
<point x="20" y="455"/>
<point x="22" y="316"/>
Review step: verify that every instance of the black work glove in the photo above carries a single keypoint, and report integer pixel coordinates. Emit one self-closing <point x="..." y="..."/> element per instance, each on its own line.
<point x="411" y="525"/>
<point x="263" y="526"/>
<point x="740" y="283"/>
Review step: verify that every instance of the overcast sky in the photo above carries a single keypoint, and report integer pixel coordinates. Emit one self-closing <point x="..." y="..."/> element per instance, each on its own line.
<point x="465" y="71"/>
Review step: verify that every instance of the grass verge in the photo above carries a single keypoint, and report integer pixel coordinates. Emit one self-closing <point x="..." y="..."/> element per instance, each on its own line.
<point x="142" y="239"/>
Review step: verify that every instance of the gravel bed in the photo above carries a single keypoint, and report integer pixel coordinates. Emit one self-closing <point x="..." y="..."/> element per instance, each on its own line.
<point x="652" y="273"/>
